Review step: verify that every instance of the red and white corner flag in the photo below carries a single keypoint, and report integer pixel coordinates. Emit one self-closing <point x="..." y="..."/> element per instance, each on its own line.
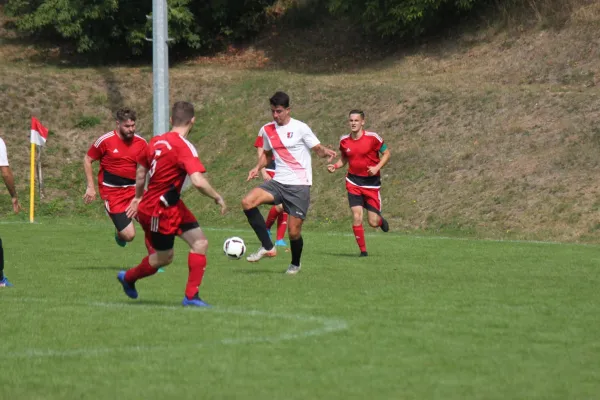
<point x="39" y="133"/>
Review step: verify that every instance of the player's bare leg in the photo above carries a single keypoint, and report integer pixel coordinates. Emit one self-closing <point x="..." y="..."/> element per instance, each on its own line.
<point x="198" y="244"/>
<point x="148" y="267"/>
<point x="128" y="233"/>
<point x="376" y="220"/>
<point x="296" y="243"/>
<point x="250" y="203"/>
<point x="359" y="231"/>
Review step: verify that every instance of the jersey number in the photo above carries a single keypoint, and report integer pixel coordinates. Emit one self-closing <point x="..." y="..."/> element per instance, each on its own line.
<point x="154" y="161"/>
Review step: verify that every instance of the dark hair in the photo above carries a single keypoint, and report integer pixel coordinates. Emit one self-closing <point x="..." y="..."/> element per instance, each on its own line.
<point x="125" y="114"/>
<point x="359" y="112"/>
<point x="182" y="113"/>
<point x="280" y="99"/>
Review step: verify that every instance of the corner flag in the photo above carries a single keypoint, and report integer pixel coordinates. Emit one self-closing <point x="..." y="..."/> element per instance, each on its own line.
<point x="39" y="134"/>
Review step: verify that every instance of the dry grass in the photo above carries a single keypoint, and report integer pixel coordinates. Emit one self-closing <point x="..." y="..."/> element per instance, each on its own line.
<point x="493" y="132"/>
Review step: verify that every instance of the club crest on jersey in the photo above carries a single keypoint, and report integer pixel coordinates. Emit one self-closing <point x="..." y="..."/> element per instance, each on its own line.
<point x="290" y="134"/>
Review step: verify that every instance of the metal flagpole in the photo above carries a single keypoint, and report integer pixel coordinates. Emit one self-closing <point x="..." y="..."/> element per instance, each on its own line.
<point x="160" y="66"/>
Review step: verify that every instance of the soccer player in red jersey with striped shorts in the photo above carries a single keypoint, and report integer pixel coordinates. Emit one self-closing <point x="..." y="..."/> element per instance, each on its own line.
<point x="276" y="213"/>
<point x="117" y="151"/>
<point x="168" y="159"/>
<point x="365" y="153"/>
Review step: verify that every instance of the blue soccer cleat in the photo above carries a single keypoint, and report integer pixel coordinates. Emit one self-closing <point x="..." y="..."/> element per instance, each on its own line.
<point x="119" y="241"/>
<point x="128" y="288"/>
<point x="281" y="242"/>
<point x="194" y="302"/>
<point x="5" y="283"/>
<point x="160" y="270"/>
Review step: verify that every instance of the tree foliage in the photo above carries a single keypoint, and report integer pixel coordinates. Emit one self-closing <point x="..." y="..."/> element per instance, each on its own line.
<point x="107" y="26"/>
<point x="110" y="26"/>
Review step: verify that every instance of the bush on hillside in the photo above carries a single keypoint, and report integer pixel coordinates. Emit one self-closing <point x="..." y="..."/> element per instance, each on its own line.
<point x="402" y="18"/>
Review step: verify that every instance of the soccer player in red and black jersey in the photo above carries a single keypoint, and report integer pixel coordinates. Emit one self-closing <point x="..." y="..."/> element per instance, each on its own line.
<point x="168" y="159"/>
<point x="365" y="153"/>
<point x="276" y="212"/>
<point x="117" y="151"/>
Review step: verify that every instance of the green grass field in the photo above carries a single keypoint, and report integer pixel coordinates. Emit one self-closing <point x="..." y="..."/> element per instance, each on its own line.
<point x="421" y="318"/>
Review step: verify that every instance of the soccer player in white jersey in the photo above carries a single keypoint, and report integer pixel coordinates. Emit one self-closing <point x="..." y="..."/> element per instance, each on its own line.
<point x="290" y="142"/>
<point x="9" y="181"/>
<point x="365" y="153"/>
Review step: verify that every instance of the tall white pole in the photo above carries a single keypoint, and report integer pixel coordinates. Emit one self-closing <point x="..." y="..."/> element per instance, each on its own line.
<point x="160" y="66"/>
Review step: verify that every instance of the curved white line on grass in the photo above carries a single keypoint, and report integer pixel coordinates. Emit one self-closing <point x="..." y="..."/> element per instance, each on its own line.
<point x="327" y="325"/>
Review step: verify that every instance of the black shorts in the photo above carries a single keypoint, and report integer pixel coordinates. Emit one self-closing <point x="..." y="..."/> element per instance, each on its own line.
<point x="120" y="220"/>
<point x="294" y="198"/>
<point x="163" y="242"/>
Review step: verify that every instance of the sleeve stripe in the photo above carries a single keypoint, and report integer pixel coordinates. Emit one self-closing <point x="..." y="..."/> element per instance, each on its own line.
<point x="191" y="146"/>
<point x="102" y="138"/>
<point x="138" y="136"/>
<point x="373" y="134"/>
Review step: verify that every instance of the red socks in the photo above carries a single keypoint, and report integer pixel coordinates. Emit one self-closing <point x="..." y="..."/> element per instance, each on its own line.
<point x="141" y="271"/>
<point x="196" y="267"/>
<point x="149" y="245"/>
<point x="281" y="225"/>
<point x="273" y="213"/>
<point x="359" y="234"/>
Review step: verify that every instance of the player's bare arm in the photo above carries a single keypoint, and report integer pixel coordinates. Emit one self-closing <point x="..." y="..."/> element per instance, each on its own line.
<point x="90" y="191"/>
<point x="140" y="183"/>
<point x="201" y="183"/>
<point x="9" y="181"/>
<point x="338" y="164"/>
<point x="263" y="171"/>
<point x="385" y="157"/>
<point x="324" y="152"/>
<point x="262" y="163"/>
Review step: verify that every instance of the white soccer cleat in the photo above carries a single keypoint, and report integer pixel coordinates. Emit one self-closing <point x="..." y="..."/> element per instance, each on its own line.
<point x="293" y="269"/>
<point x="255" y="257"/>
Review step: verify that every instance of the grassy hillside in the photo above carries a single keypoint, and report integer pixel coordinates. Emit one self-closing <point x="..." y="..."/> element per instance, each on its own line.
<point x="493" y="132"/>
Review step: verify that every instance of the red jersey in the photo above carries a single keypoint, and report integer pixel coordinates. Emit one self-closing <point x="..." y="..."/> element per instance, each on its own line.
<point x="362" y="153"/>
<point x="259" y="143"/>
<point x="118" y="159"/>
<point x="169" y="158"/>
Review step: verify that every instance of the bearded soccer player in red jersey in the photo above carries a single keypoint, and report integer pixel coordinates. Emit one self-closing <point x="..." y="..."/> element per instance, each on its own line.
<point x="161" y="213"/>
<point x="361" y="149"/>
<point x="117" y="151"/>
<point x="276" y="212"/>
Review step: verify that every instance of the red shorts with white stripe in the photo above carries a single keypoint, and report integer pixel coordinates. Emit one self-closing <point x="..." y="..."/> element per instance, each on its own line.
<point x="369" y="198"/>
<point x="117" y="199"/>
<point x="170" y="221"/>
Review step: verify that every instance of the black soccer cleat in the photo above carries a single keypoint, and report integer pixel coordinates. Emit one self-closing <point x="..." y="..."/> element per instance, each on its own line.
<point x="384" y="225"/>
<point x="363" y="254"/>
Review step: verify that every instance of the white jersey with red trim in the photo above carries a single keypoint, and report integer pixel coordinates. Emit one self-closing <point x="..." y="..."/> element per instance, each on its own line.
<point x="291" y="146"/>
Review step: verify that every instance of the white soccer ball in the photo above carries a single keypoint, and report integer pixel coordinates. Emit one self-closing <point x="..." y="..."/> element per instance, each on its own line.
<point x="234" y="248"/>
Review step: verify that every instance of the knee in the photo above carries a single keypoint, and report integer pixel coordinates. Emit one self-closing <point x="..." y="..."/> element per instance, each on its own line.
<point x="127" y="235"/>
<point x="294" y="233"/>
<point x="199" y="246"/>
<point x="161" y="258"/>
<point x="247" y="203"/>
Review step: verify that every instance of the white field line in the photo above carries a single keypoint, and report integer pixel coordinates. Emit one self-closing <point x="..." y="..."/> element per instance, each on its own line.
<point x="323" y="326"/>
<point x="371" y="235"/>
